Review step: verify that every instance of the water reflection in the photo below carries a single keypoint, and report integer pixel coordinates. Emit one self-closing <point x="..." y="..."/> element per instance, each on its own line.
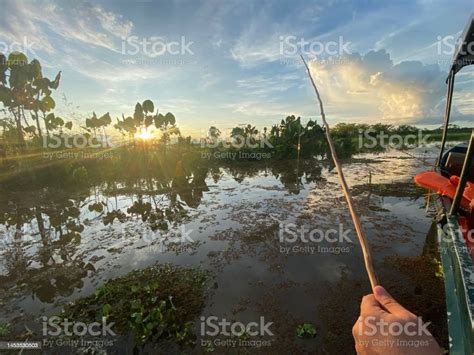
<point x="70" y="228"/>
<point x="45" y="215"/>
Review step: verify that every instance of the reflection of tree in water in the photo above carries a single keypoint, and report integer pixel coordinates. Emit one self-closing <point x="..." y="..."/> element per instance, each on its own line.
<point x="57" y="276"/>
<point x="38" y="214"/>
<point x="290" y="173"/>
<point x="216" y="174"/>
<point x="54" y="221"/>
<point x="290" y="178"/>
<point x="54" y="206"/>
<point x="190" y="188"/>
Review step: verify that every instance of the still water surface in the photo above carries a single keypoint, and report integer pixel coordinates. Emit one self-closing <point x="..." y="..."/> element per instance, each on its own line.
<point x="231" y="221"/>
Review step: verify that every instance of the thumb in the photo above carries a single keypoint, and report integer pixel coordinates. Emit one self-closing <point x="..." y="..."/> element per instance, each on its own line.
<point x="389" y="303"/>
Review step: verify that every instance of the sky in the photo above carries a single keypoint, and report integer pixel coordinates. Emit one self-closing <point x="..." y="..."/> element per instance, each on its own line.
<point x="230" y="62"/>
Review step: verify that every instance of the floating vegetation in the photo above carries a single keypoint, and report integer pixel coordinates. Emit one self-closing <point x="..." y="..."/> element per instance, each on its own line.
<point x="4" y="329"/>
<point x="154" y="304"/>
<point x="306" y="331"/>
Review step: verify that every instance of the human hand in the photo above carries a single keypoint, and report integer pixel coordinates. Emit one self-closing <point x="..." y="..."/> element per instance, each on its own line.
<point x="385" y="327"/>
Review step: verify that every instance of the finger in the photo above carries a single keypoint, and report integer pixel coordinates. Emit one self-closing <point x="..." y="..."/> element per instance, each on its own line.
<point x="370" y="305"/>
<point x="355" y="329"/>
<point x="389" y="303"/>
<point x="358" y="329"/>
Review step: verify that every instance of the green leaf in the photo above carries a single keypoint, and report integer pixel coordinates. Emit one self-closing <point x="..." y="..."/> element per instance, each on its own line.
<point x="106" y="308"/>
<point x="58" y="121"/>
<point x="68" y="125"/>
<point x="100" y="292"/>
<point x="174" y="130"/>
<point x="3" y="68"/>
<point x="49" y="119"/>
<point x="159" y="120"/>
<point x="35" y="68"/>
<point x="5" y="95"/>
<point x="54" y="84"/>
<point x="170" y="119"/>
<point x="148" y="121"/>
<point x="4" y="329"/>
<point x="105" y="120"/>
<point x="47" y="104"/>
<point x="17" y="58"/>
<point x="30" y="129"/>
<point x="138" y="114"/>
<point x="306" y="330"/>
<point x="148" y="106"/>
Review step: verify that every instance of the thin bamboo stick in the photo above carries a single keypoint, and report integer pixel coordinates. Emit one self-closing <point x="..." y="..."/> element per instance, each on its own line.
<point x="355" y="217"/>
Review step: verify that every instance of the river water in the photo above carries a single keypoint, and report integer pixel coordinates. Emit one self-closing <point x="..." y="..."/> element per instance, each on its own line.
<point x="276" y="236"/>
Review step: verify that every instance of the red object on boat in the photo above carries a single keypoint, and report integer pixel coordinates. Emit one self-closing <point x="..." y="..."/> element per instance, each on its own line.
<point x="467" y="233"/>
<point x="446" y="187"/>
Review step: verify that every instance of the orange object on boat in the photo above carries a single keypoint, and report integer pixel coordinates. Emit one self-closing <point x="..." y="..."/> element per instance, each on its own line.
<point x="446" y="187"/>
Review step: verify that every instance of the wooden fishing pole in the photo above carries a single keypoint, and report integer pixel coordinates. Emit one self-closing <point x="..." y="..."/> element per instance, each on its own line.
<point x="355" y="218"/>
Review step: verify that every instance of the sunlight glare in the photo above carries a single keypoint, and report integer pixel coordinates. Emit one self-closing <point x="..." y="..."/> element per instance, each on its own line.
<point x="144" y="135"/>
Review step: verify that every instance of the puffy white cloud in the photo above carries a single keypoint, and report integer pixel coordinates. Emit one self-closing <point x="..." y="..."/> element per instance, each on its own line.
<point x="373" y="87"/>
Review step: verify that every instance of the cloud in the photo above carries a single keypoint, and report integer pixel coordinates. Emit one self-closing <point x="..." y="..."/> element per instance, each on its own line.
<point x="372" y="85"/>
<point x="43" y="21"/>
<point x="262" y="86"/>
<point x="248" y="52"/>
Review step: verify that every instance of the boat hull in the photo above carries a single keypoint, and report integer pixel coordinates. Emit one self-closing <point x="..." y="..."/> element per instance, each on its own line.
<point x="458" y="280"/>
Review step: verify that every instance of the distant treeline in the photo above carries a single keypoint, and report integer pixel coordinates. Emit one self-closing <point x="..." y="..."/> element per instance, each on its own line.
<point x="29" y="122"/>
<point x="291" y="138"/>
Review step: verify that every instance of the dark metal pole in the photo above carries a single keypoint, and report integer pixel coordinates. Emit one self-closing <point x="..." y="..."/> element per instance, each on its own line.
<point x="466" y="171"/>
<point x="447" y="112"/>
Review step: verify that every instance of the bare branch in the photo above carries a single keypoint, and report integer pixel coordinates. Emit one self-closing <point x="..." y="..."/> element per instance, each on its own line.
<point x="355" y="217"/>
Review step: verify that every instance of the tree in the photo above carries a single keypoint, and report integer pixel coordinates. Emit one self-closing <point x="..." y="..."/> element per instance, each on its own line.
<point x="26" y="90"/>
<point x="167" y="125"/>
<point x="143" y="118"/>
<point x="250" y="131"/>
<point x="213" y="134"/>
<point x="237" y="132"/>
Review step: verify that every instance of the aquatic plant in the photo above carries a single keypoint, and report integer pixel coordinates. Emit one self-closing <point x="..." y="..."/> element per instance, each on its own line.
<point x="306" y="330"/>
<point x="154" y="304"/>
